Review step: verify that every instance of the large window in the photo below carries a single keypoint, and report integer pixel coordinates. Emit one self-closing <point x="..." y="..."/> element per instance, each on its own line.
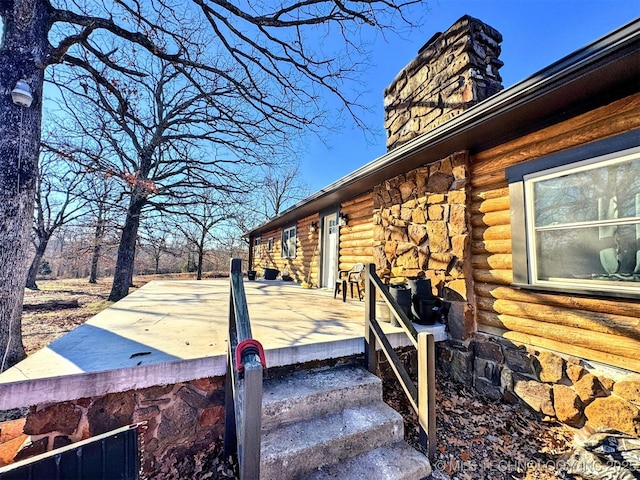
<point x="289" y="242"/>
<point x="576" y="226"/>
<point x="256" y="247"/>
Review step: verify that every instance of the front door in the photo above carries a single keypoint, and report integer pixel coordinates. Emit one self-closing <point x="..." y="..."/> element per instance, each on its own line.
<point x="329" y="250"/>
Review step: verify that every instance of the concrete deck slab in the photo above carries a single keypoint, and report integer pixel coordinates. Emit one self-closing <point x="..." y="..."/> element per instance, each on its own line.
<point x="173" y="331"/>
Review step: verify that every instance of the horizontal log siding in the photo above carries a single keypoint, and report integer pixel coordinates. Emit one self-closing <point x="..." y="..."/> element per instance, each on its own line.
<point x="603" y="330"/>
<point x="356" y="238"/>
<point x="304" y="267"/>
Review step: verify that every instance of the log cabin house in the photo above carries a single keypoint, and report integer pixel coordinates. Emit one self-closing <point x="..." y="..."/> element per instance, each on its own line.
<point x="522" y="205"/>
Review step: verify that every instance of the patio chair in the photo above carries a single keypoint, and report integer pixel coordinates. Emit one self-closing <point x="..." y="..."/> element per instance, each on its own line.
<point x="351" y="277"/>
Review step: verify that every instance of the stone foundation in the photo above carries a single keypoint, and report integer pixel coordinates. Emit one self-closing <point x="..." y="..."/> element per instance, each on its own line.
<point x="181" y="419"/>
<point x="559" y="387"/>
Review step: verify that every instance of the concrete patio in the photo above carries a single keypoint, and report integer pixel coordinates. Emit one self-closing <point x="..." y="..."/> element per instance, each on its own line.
<point x="171" y="331"/>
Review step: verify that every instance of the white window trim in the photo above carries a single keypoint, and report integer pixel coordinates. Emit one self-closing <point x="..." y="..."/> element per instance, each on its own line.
<point x="521" y="179"/>
<point x="288" y="254"/>
<point x="586" y="165"/>
<point x="270" y="244"/>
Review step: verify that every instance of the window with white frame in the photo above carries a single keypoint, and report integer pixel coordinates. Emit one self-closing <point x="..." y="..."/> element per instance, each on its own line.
<point x="256" y="247"/>
<point x="576" y="225"/>
<point x="270" y="244"/>
<point x="289" y="242"/>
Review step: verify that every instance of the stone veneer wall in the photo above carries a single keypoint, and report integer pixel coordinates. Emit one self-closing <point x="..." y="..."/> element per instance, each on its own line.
<point x="421" y="228"/>
<point x="182" y="420"/>
<point x="453" y="72"/>
<point x="568" y="389"/>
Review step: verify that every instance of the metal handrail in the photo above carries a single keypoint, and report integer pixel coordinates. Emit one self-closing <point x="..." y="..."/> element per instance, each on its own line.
<point x="243" y="389"/>
<point x="422" y="398"/>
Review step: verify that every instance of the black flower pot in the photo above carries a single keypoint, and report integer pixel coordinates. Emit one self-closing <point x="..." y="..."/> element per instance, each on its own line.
<point x="251" y="274"/>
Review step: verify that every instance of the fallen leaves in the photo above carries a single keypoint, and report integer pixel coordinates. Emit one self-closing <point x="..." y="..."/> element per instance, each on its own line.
<point x="478" y="439"/>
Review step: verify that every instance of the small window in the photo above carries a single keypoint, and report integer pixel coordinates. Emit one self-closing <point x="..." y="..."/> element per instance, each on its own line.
<point x="576" y="227"/>
<point x="270" y="244"/>
<point x="289" y="242"/>
<point x="256" y="247"/>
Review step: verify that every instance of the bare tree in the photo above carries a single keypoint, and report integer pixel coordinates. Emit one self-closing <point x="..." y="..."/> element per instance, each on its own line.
<point x="58" y="202"/>
<point x="197" y="222"/>
<point x="269" y="56"/>
<point x="282" y="187"/>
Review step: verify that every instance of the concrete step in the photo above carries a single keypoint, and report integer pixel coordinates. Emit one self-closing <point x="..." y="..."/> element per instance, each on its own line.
<point x="392" y="462"/>
<point x="308" y="394"/>
<point x="299" y="448"/>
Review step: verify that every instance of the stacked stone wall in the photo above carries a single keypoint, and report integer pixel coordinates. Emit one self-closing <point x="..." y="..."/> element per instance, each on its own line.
<point x="453" y="72"/>
<point x="421" y="229"/>
<point x="181" y="420"/>
<point x="561" y="387"/>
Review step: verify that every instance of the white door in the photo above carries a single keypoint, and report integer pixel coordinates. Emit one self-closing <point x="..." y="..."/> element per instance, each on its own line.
<point x="329" y="250"/>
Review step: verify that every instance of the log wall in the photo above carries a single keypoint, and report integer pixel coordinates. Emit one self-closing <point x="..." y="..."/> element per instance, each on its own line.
<point x="305" y="266"/>
<point x="607" y="331"/>
<point x="356" y="238"/>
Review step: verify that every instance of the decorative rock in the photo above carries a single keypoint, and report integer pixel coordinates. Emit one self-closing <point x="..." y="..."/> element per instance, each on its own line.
<point x="613" y="412"/>
<point x="588" y="388"/>
<point x="417" y="233"/>
<point x="535" y="394"/>
<point x="9" y="449"/>
<point x="517" y="360"/>
<point x="462" y="367"/>
<point x="458" y="245"/>
<point x="439" y="182"/>
<point x="211" y="416"/>
<point x="60" y="441"/>
<point x="456" y="290"/>
<point x="177" y="422"/>
<point x="488" y="350"/>
<point x="567" y="405"/>
<point x="60" y="417"/>
<point x="575" y="372"/>
<point x="458" y="220"/>
<point x="110" y="412"/>
<point x="628" y="389"/>
<point x="486" y="369"/>
<point x="418" y="216"/>
<point x="192" y="397"/>
<point x="438" y="239"/>
<point x="487" y="389"/>
<point x="209" y="384"/>
<point x="11" y="429"/>
<point x="31" y="448"/>
<point x="607" y="383"/>
<point x="435" y="212"/>
<point x="439" y="261"/>
<point x="407" y="190"/>
<point x="551" y="367"/>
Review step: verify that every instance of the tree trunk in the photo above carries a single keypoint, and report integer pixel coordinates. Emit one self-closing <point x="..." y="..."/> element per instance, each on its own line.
<point x="127" y="250"/>
<point x="200" y="261"/>
<point x="22" y="48"/>
<point x="95" y="255"/>
<point x="35" y="264"/>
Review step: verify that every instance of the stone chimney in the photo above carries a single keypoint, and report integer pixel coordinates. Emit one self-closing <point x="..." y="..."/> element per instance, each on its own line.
<point x="452" y="72"/>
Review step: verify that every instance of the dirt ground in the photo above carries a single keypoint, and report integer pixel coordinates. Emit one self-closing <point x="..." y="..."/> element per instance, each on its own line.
<point x="476" y="439"/>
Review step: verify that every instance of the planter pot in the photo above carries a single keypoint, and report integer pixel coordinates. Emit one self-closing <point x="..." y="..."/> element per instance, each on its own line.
<point x="251" y="274"/>
<point x="420" y="286"/>
<point x="383" y="314"/>
<point x="402" y="295"/>
<point x="270" y="273"/>
<point x="427" y="310"/>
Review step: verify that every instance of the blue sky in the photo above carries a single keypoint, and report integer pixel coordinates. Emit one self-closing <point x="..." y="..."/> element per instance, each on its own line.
<point x="535" y="34"/>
